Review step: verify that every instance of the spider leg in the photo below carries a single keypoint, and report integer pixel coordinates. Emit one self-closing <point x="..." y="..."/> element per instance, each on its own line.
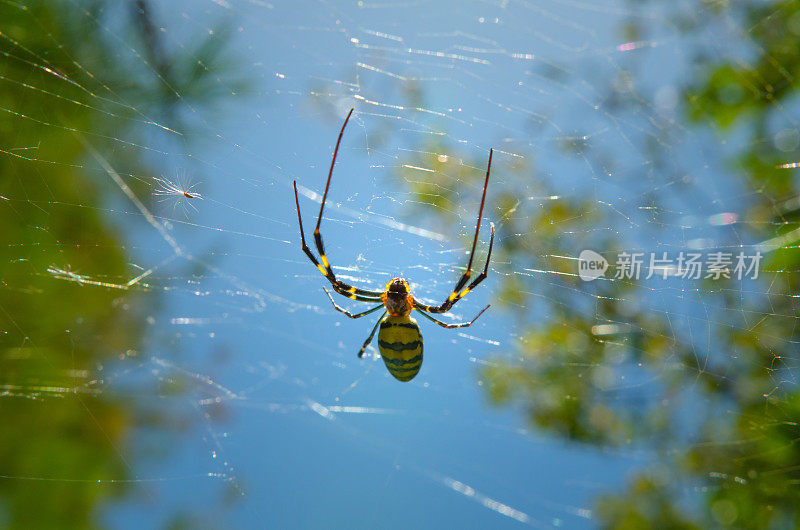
<point x="348" y="313"/>
<point x="371" y="334"/>
<point x="450" y="326"/>
<point x="339" y="286"/>
<point x="324" y="267"/>
<point x="317" y="235"/>
<point x="458" y="293"/>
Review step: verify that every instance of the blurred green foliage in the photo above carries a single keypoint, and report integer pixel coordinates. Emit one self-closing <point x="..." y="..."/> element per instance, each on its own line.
<point x="64" y="441"/>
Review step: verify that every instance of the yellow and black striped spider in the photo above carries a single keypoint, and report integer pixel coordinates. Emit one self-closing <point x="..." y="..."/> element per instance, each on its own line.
<point x="399" y="340"/>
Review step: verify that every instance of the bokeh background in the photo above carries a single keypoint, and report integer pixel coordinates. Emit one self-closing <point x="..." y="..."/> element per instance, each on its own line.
<point x="168" y="358"/>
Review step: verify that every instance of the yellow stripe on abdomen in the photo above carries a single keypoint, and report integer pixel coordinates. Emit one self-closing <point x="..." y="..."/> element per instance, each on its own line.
<point x="400" y="344"/>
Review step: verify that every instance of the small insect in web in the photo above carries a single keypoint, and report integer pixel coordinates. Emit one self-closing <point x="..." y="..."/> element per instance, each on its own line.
<point x="181" y="191"/>
<point x="399" y="339"/>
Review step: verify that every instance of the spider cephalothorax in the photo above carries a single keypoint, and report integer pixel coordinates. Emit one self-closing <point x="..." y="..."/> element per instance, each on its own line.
<point x="399" y="340"/>
<point x="397" y="298"/>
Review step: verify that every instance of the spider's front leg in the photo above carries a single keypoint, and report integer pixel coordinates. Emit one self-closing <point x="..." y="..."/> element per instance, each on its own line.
<point x="354" y="293"/>
<point x="459" y="291"/>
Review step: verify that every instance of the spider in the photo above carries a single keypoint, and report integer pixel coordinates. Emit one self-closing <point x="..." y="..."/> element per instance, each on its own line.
<point x="399" y="339"/>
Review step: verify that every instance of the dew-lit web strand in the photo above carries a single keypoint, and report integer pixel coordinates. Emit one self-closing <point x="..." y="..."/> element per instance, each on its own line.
<point x="146" y="120"/>
<point x="379" y="219"/>
<point x="76" y="102"/>
<point x="77" y="396"/>
<point x="158" y="75"/>
<point x="133" y="51"/>
<point x="78" y="131"/>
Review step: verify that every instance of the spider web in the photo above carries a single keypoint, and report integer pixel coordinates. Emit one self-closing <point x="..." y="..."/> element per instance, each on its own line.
<point x="166" y="344"/>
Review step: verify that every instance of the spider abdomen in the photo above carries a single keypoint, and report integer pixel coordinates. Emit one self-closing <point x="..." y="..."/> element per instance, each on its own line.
<point x="400" y="344"/>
